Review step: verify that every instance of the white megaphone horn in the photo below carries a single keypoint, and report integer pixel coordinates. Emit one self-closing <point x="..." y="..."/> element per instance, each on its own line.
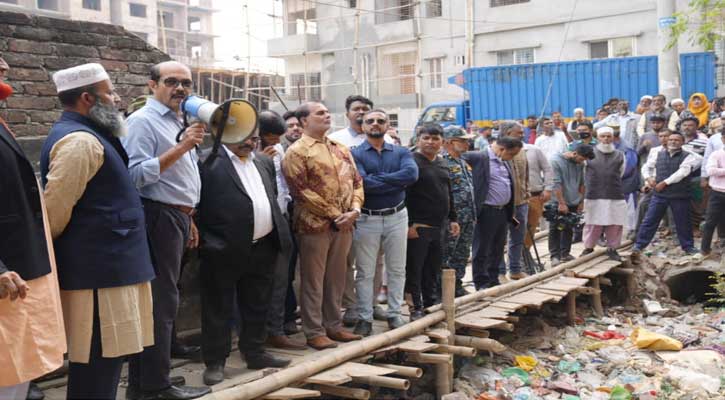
<point x="234" y="120"/>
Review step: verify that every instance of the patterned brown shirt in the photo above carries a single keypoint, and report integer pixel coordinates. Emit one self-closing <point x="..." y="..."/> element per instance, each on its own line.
<point x="520" y="166"/>
<point x="323" y="181"/>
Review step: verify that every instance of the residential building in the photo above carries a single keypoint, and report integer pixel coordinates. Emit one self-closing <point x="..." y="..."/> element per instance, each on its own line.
<point x="181" y="28"/>
<point x="401" y="53"/>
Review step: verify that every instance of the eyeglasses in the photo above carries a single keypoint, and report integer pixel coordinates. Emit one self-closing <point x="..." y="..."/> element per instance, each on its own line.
<point x="173" y="82"/>
<point x="380" y="121"/>
<point x="254" y="139"/>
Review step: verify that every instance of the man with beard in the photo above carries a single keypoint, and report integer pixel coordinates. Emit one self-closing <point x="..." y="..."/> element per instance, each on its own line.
<point x="97" y="223"/>
<point x="294" y="130"/>
<point x="430" y="203"/>
<point x="387" y="170"/>
<point x="651" y="138"/>
<point x="243" y="233"/>
<point x="667" y="176"/>
<point x="626" y="121"/>
<point x="578" y="119"/>
<point x="605" y="209"/>
<point x="167" y="178"/>
<point x="328" y="193"/>
<point x="31" y="325"/>
<point x="658" y="108"/>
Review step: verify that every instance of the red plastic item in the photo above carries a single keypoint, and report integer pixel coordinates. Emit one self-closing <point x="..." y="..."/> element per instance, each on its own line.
<point x="607" y="335"/>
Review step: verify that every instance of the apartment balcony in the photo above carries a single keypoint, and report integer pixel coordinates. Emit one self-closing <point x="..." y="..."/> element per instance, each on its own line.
<point x="172" y="3"/>
<point x="200" y="35"/>
<point x="292" y="45"/>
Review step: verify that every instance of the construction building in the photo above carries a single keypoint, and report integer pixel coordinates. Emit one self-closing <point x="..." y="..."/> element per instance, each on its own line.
<point x="181" y="28"/>
<point x="400" y="53"/>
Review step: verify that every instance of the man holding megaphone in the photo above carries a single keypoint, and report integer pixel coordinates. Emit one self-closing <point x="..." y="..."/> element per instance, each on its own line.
<point x="167" y="177"/>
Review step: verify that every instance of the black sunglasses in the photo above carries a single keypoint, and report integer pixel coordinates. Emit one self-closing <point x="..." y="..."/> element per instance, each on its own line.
<point x="173" y="82"/>
<point x="380" y="121"/>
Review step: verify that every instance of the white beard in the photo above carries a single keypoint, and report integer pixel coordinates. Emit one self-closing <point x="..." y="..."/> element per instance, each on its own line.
<point x="605" y="148"/>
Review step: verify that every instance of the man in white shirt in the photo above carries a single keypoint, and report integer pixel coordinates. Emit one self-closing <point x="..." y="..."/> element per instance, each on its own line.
<point x="552" y="142"/>
<point x="626" y="121"/>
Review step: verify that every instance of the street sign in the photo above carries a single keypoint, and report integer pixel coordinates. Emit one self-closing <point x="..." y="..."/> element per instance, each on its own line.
<point x="666" y="22"/>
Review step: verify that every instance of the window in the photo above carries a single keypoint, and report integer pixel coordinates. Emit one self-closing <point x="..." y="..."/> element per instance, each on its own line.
<point x="499" y="3"/>
<point x="137" y="10"/>
<point x="719" y="65"/>
<point x="518" y="56"/>
<point x="48" y="5"/>
<point x="195" y="24"/>
<point x="619" y="47"/>
<point x="436" y="73"/>
<point x="352" y="3"/>
<point x="301" y="17"/>
<point x="313" y="81"/>
<point x="92" y="5"/>
<point x="9" y="1"/>
<point x="393" y="119"/>
<point x="166" y="19"/>
<point x="459" y="60"/>
<point x="397" y="71"/>
<point x="393" y="10"/>
<point x="434" y="8"/>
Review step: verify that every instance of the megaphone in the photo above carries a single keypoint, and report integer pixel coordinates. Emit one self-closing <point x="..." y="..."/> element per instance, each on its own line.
<point x="234" y="120"/>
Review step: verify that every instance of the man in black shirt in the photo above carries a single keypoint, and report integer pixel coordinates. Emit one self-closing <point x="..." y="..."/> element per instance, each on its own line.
<point x="430" y="203"/>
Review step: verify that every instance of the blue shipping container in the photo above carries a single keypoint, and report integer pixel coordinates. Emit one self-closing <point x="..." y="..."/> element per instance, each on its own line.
<point x="515" y="91"/>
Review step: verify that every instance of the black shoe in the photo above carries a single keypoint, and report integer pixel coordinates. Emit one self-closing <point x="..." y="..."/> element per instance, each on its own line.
<point x="179" y="350"/>
<point x="132" y="393"/>
<point x="349" y="318"/>
<point x="692" y="251"/>
<point x="460" y="291"/>
<point x="177" y="380"/>
<point x="585" y="252"/>
<point x="395" y="322"/>
<point x="34" y="392"/>
<point x="568" y="258"/>
<point x="613" y="255"/>
<point x="363" y="328"/>
<point x="177" y="393"/>
<point x="416" y="313"/>
<point x="265" y="360"/>
<point x="213" y="374"/>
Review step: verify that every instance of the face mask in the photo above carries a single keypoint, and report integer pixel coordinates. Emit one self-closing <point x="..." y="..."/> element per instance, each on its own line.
<point x="5" y="91"/>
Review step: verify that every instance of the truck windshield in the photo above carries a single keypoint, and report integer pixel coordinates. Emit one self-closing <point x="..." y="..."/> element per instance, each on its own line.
<point x="440" y="114"/>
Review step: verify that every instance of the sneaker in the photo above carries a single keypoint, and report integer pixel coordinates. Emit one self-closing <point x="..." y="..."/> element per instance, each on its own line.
<point x="379" y="313"/>
<point x="613" y="255"/>
<point x="349" y="319"/>
<point x="568" y="258"/>
<point x="416" y="313"/>
<point x="395" y="322"/>
<point x="692" y="251"/>
<point x="555" y="261"/>
<point x="585" y="252"/>
<point x="363" y="328"/>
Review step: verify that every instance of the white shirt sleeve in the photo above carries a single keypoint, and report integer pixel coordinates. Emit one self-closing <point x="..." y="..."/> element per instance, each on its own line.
<point x="648" y="169"/>
<point x="691" y="163"/>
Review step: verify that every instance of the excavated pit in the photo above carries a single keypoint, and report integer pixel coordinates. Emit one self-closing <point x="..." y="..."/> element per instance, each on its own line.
<point x="691" y="285"/>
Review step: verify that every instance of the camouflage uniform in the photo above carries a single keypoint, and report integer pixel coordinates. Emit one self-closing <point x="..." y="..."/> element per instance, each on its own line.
<point x="458" y="249"/>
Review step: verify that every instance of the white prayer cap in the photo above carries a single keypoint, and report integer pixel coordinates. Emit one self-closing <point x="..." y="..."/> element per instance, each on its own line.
<point x="79" y="76"/>
<point x="605" y="129"/>
<point x="646" y="97"/>
<point x="677" y="101"/>
<point x="579" y="109"/>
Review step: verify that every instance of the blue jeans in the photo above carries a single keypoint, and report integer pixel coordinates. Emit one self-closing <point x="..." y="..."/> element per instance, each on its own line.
<point x="657" y="207"/>
<point x="391" y="233"/>
<point x="516" y="241"/>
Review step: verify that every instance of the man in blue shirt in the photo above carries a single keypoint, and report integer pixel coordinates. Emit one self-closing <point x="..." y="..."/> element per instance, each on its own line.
<point x="167" y="178"/>
<point x="387" y="170"/>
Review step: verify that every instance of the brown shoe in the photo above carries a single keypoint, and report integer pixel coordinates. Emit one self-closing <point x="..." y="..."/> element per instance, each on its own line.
<point x="342" y="335"/>
<point x="285" y="342"/>
<point x="321" y="343"/>
<point x="518" y="275"/>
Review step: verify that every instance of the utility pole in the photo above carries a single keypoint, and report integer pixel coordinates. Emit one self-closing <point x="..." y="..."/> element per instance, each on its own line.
<point x="668" y="60"/>
<point x="356" y="43"/>
<point x="249" y="52"/>
<point x="469" y="33"/>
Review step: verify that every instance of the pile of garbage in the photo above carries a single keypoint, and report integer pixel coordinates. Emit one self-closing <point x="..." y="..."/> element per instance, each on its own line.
<point x="670" y="352"/>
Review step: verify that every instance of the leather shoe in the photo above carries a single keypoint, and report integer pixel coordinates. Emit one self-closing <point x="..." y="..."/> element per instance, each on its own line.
<point x="342" y="335"/>
<point x="321" y="343"/>
<point x="290" y="328"/>
<point x="177" y="393"/>
<point x="265" y="360"/>
<point x="34" y="392"/>
<point x="416" y="314"/>
<point x="363" y="328"/>
<point x="179" y="350"/>
<point x="177" y="380"/>
<point x="132" y="393"/>
<point x="213" y="374"/>
<point x="518" y="275"/>
<point x="285" y="342"/>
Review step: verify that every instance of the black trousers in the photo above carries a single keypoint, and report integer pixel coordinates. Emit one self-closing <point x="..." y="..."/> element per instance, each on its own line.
<point x="489" y="240"/>
<point x="714" y="218"/>
<point x="168" y="233"/>
<point x="99" y="378"/>
<point x="560" y="239"/>
<point x="283" y="303"/>
<point x="423" y="262"/>
<point x="253" y="292"/>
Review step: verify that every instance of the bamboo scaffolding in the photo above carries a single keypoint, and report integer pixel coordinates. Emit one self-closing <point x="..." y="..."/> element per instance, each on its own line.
<point x="383" y="381"/>
<point x="403" y="370"/>
<point x="343" y="391"/>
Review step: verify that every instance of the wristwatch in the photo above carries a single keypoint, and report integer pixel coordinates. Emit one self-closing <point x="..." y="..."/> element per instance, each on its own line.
<point x="359" y="212"/>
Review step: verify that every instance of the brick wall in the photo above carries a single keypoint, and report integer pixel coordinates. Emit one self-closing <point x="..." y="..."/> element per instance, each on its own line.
<point x="35" y="47"/>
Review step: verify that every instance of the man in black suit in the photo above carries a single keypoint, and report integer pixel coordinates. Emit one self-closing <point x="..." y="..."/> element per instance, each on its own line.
<point x="242" y="233"/>
<point x="493" y="189"/>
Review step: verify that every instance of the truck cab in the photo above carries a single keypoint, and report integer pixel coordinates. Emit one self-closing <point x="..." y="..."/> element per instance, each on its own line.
<point x="445" y="113"/>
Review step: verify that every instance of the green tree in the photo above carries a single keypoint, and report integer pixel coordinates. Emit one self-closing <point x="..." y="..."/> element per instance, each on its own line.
<point x="705" y="22"/>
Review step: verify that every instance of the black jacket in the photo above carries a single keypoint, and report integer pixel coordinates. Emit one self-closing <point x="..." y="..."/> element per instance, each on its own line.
<point x="226" y="216"/>
<point x="23" y="247"/>
<point x="481" y="178"/>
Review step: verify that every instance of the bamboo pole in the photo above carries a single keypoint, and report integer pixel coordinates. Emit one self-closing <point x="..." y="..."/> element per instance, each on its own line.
<point x="343" y="391"/>
<point x="403" y="370"/>
<point x="571" y="308"/>
<point x="444" y="371"/>
<point x="462" y="351"/>
<point x="383" y="381"/>
<point x="428" y="358"/>
<point x="480" y="343"/>
<point x="597" y="298"/>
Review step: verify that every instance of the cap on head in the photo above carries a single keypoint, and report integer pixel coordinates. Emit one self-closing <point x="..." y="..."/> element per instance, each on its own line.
<point x="456" y="132"/>
<point x="605" y="129"/>
<point x="645" y="97"/>
<point x="79" y="76"/>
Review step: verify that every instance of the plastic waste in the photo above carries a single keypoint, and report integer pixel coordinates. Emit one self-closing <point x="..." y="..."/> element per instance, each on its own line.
<point x="569" y="367"/>
<point x="644" y="339"/>
<point x="527" y="363"/>
<point x="620" y="393"/>
<point x="614" y="354"/>
<point x="610" y="334"/>
<point x="524" y="393"/>
<point x="517" y="372"/>
<point x="481" y="378"/>
<point x="693" y="382"/>
<point x="590" y="378"/>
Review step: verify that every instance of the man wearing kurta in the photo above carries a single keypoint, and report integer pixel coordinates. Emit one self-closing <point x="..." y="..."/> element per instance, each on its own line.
<point x="32" y="341"/>
<point x="98" y="227"/>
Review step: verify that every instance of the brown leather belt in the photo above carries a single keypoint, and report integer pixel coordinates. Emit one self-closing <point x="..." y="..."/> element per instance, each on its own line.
<point x="190" y="211"/>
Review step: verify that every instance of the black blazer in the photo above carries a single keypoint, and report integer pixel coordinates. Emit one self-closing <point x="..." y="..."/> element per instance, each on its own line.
<point x="481" y="178"/>
<point x="23" y="247"/>
<point x="226" y="216"/>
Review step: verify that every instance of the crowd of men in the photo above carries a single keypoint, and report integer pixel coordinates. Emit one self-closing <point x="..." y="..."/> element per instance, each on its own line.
<point x="90" y="261"/>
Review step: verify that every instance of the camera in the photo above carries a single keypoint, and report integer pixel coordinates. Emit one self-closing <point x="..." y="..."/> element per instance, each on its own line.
<point x="561" y="221"/>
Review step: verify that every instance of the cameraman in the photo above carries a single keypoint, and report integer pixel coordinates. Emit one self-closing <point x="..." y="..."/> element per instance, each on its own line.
<point x="567" y="197"/>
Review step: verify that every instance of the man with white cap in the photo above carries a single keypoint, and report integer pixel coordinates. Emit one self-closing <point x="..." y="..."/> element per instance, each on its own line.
<point x="605" y="209"/>
<point x="98" y="226"/>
